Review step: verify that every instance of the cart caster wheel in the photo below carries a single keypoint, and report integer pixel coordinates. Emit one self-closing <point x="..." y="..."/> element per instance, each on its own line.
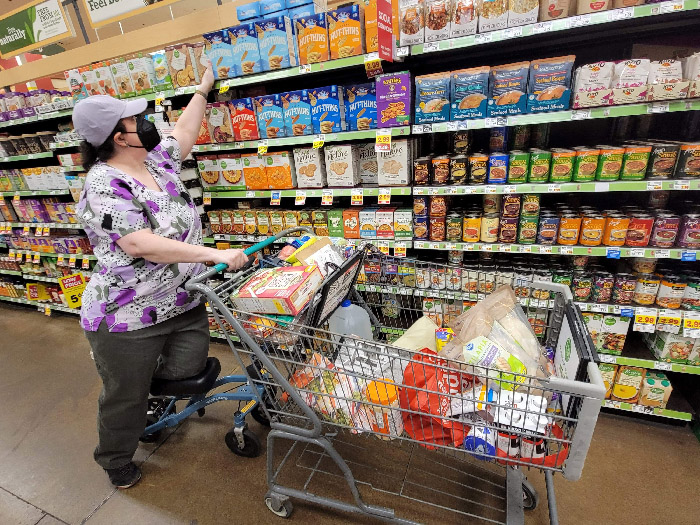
<point x="151" y="438"/>
<point x="284" y="510"/>
<point x="530" y="496"/>
<point x="251" y="443"/>
<point x="259" y="415"/>
<point x="201" y="412"/>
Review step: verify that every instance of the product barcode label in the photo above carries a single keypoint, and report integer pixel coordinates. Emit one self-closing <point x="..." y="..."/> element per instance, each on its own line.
<point x="430" y="47"/>
<point x="606" y="358"/>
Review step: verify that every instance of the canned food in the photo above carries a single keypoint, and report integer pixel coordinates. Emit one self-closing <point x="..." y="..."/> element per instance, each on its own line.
<point x="634" y="162"/>
<point x="461" y="142"/>
<point x="639" y="230"/>
<point x="458" y="169"/>
<point x="615" y="230"/>
<point x="422" y="274"/>
<point x="563" y="276"/>
<point x="455" y="257"/>
<point x="520" y="136"/>
<point x="498" y="140"/>
<point x="420" y="227"/>
<point x="438" y="206"/>
<point x="548" y="229"/>
<point x="665" y="230"/>
<point x="441" y="170"/>
<point x="510" y="206"/>
<point x="581" y="285"/>
<point x="585" y="165"/>
<point x="453" y="276"/>
<point x="437" y="228"/>
<point x="646" y="289"/>
<point x="422" y="171"/>
<point x="609" y="163"/>
<point x="579" y="262"/>
<point x="662" y="161"/>
<point x="471" y="228"/>
<point x="592" y="228"/>
<point x="498" y="168"/>
<point x="453" y="225"/>
<point x="487" y="277"/>
<point x="671" y="290"/>
<point x="540" y="162"/>
<point x="623" y="289"/>
<point x="691" y="295"/>
<point x="688" y="161"/>
<point x="478" y="166"/>
<point x="438" y="277"/>
<point x="492" y="203"/>
<point x="569" y="229"/>
<point x="562" y="165"/>
<point x="689" y="236"/>
<point x="420" y="205"/>
<point x="644" y="265"/>
<point x="489" y="227"/>
<point x="602" y="289"/>
<point x="508" y="232"/>
<point x="527" y="229"/>
<point x="518" y="162"/>
<point x="531" y="204"/>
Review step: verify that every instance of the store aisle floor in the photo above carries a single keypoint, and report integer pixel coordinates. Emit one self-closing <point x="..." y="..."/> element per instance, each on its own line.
<point x="636" y="472"/>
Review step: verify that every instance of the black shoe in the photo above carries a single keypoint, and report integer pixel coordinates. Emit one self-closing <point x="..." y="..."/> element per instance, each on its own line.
<point x="124" y="477"/>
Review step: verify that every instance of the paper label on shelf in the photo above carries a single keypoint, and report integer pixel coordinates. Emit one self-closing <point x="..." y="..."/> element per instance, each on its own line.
<point x="327" y="198"/>
<point x="580" y="21"/>
<point x="612" y="253"/>
<point x="493" y="122"/>
<point x="513" y="32"/>
<point x="660" y="365"/>
<point x="509" y="189"/>
<point x="541" y="27"/>
<point x="641" y="409"/>
<point x="300" y="198"/>
<point x="206" y="198"/>
<point x="621" y="14"/>
<point x="47" y="311"/>
<point x="658" y="107"/>
<point x="25" y="230"/>
<point x="262" y="146"/>
<point x="491" y="189"/>
<point x="373" y="65"/>
<point x="483" y="38"/>
<point x="644" y="320"/>
<point x="384" y="196"/>
<point x="71" y="261"/>
<point x="681" y="185"/>
<point x="86" y="264"/>
<point x="691" y="324"/>
<point x="356" y="197"/>
<point x="434" y="245"/>
<point x="668" y="7"/>
<point x="16" y="197"/>
<point x="382" y="142"/>
<point x="669" y="321"/>
<point x="430" y="47"/>
<point x="607" y="358"/>
<point x="662" y="254"/>
<point x="504" y="248"/>
<point x="554" y="188"/>
<point x="600" y="308"/>
<point x="45" y="231"/>
<point x="637" y="252"/>
<point x="60" y="261"/>
<point x="319" y="140"/>
<point x="305" y="68"/>
<point x="399" y="249"/>
<point x="275" y="198"/>
<point x="383" y="247"/>
<point x="581" y="114"/>
<point x="402" y="51"/>
<point x="417" y="129"/>
<point x="566" y="250"/>
<point x="688" y="256"/>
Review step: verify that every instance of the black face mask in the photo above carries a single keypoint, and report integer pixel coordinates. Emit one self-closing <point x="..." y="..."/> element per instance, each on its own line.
<point x="147" y="133"/>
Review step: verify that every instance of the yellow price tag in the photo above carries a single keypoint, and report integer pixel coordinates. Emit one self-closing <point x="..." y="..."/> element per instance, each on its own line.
<point x="45" y="231"/>
<point x="12" y="255"/>
<point x="262" y="147"/>
<point x="383" y="247"/>
<point x="72" y="287"/>
<point x="16" y="197"/>
<point x="384" y="196"/>
<point x="86" y="263"/>
<point x="206" y="198"/>
<point x="373" y="65"/>
<point x="25" y="230"/>
<point x="327" y="198"/>
<point x="300" y="199"/>
<point x="382" y="142"/>
<point x="356" y="197"/>
<point x="224" y="87"/>
<point x="691" y="323"/>
<point x="644" y="320"/>
<point x="160" y="98"/>
<point x="39" y="231"/>
<point x="319" y="140"/>
<point x="399" y="249"/>
<point x="71" y="260"/>
<point x="60" y="261"/>
<point x="37" y="258"/>
<point x="47" y="311"/>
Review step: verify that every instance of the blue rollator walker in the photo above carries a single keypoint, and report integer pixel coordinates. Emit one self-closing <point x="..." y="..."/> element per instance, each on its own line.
<point x="196" y="391"/>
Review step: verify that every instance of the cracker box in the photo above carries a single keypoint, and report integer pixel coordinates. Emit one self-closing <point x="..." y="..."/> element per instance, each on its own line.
<point x="276" y="43"/>
<point x="105" y="80"/>
<point x="508" y="89"/>
<point x="297" y="113"/>
<point x="432" y="102"/>
<point x="270" y="116"/>
<point x="220" y="52"/>
<point x="162" y="71"/>
<point x="312" y="39"/>
<point x="367" y="163"/>
<point x="254" y="172"/>
<point x="248" y="11"/>
<point x="368" y="223"/>
<point x="361" y="106"/>
<point x="628" y="383"/>
<point x="549" y="85"/>
<point x="656" y="389"/>
<point x="385" y="222"/>
<point x="246" y="54"/>
<point x="371" y="34"/>
<point x="209" y="171"/>
<point x="219" y="122"/>
<point x="345" y="31"/>
<point x="411" y="22"/>
<point x="393" y="99"/>
<point x="394" y="165"/>
<point x="243" y="119"/>
<point x="327" y="109"/>
<point x="89" y="81"/>
<point x="267" y="7"/>
<point x="303" y="11"/>
<point x="521" y="12"/>
<point x="180" y="63"/>
<point x="403" y="224"/>
<point x="311" y="167"/>
<point x="335" y="223"/>
<point x="464" y="18"/>
<point x="200" y="60"/>
<point x="122" y="78"/>
<point x="469" y="93"/>
<point x="437" y="19"/>
<point x="341" y="166"/>
<point x="279" y="167"/>
<point x="231" y="168"/>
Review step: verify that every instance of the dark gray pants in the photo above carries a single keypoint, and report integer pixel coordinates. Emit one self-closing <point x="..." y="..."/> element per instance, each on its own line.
<point x="127" y="361"/>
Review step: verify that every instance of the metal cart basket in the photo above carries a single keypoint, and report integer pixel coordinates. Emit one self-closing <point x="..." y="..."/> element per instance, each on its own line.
<point x="335" y="400"/>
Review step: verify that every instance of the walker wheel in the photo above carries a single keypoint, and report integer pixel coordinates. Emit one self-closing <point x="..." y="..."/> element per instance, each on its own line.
<point x="285" y="509"/>
<point x="530" y="496"/>
<point x="259" y="415"/>
<point x="201" y="412"/>
<point x="251" y="443"/>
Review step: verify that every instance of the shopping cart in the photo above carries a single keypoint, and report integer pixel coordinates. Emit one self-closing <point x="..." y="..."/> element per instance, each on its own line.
<point x="338" y="400"/>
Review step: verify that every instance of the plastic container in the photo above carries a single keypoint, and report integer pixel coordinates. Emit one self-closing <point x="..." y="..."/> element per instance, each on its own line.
<point x="350" y="319"/>
<point x="386" y="418"/>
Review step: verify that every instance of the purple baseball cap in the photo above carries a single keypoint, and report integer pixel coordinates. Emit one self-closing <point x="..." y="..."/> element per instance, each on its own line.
<point x="95" y="117"/>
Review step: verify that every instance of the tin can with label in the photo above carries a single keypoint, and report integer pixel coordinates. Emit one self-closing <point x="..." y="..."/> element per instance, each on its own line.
<point x="508" y="232"/>
<point x="540" y="162"/>
<point x="662" y="161"/>
<point x="498" y="168"/>
<point x="458" y="169"/>
<point x="539" y="135"/>
<point x="461" y="142"/>
<point x="422" y="171"/>
<point x="471" y="227"/>
<point x="489" y="227"/>
<point x="518" y="162"/>
<point x="689" y="236"/>
<point x="438" y="277"/>
<point x="531" y="204"/>
<point x="623" y="288"/>
<point x="639" y="230"/>
<point x="665" y="230"/>
<point x="634" y="162"/>
<point x="453" y="225"/>
<point x="420" y="227"/>
<point x="592" y="228"/>
<point x="548" y="229"/>
<point x="691" y="296"/>
<point x="582" y="285"/>
<point x="520" y="137"/>
<point x="478" y="166"/>
<point x="585" y="164"/>
<point x="615" y="230"/>
<point x="492" y="203"/>
<point x="437" y="229"/>
<point x="646" y="289"/>
<point x="644" y="265"/>
<point x="510" y="206"/>
<point x="562" y="165"/>
<point x="437" y="206"/>
<point x="603" y="283"/>
<point x="455" y="257"/>
<point x="527" y="229"/>
<point x="671" y="291"/>
<point x="441" y="170"/>
<point x="689" y="161"/>
<point x="420" y="205"/>
<point x="569" y="229"/>
<point x="609" y="163"/>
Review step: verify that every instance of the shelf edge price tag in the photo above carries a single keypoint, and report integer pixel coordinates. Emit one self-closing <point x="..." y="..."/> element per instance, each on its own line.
<point x="300" y="199"/>
<point x="644" y="320"/>
<point x="384" y="196"/>
<point x="275" y="198"/>
<point x="669" y="321"/>
<point x="566" y="250"/>
<point x="61" y="260"/>
<point x="661" y="365"/>
<point x="304" y="68"/>
<point x="637" y="252"/>
<point x="430" y="47"/>
<point x="71" y="261"/>
<point x="47" y="310"/>
<point x="206" y="198"/>
<point x="607" y="358"/>
<point x="382" y="142"/>
<point x="691" y="324"/>
<point x="687" y="255"/>
<point x="373" y="65"/>
<point x="45" y="231"/>
<point x="319" y="140"/>
<point x="262" y="146"/>
<point x="86" y="263"/>
<point x="383" y="247"/>
<point x="36" y="259"/>
<point x="327" y="198"/>
<point x="224" y="86"/>
<point x="612" y="253"/>
<point x="356" y="196"/>
<point x="25" y="230"/>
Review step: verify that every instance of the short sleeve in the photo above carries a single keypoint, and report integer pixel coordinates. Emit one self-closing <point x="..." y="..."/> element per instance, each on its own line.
<point x="112" y="210"/>
<point x="166" y="155"/>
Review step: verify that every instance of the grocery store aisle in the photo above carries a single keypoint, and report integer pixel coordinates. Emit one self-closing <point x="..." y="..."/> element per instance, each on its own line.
<point x="635" y="472"/>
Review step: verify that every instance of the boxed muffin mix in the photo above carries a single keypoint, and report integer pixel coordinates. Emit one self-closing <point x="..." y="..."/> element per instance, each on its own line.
<point x="549" y="84"/>
<point x="243" y="120"/>
<point x="276" y="43"/>
<point x="432" y="102"/>
<point x="327" y="109"/>
<point x="342" y="166"/>
<point x="310" y="167"/>
<point x="220" y="52"/>
<point x="231" y="168"/>
<point x="297" y="113"/>
<point x="345" y="31"/>
<point x="245" y="53"/>
<point x="312" y="39"/>
<point x="393" y="99"/>
<point x="469" y="93"/>
<point x="394" y="166"/>
<point x="270" y="116"/>
<point x="508" y="89"/>
<point x="361" y="106"/>
<point x="209" y="171"/>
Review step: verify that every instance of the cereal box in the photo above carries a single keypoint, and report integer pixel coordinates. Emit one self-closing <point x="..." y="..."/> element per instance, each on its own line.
<point x="361" y="106"/>
<point x="393" y="99"/>
<point x="180" y="62"/>
<point x="368" y="223"/>
<point x="231" y="168"/>
<point x="432" y="98"/>
<point x="549" y="86"/>
<point x="200" y="60"/>
<point x="367" y="162"/>
<point x="327" y="109"/>
<point x="311" y="167"/>
<point x="345" y="31"/>
<point x="246" y="54"/>
<point x="162" y="71"/>
<point x="209" y="171"/>
<point x="403" y="223"/>
<point x="628" y="383"/>
<point x="521" y="12"/>
<point x="312" y="39"/>
<point x="219" y="122"/>
<point x="254" y="172"/>
<point x="335" y="222"/>
<point x="351" y="223"/>
<point x="393" y="165"/>
<point x="276" y="43"/>
<point x="469" y="93"/>
<point x="437" y="20"/>
<point x="508" y="89"/>
<point x="371" y="34"/>
<point x="243" y="119"/>
<point x="411" y="22"/>
<point x="220" y="52"/>
<point x="270" y="116"/>
<point x="297" y="113"/>
<point x="385" y="223"/>
<point x="464" y="18"/>
<point x="493" y="15"/>
<point x="341" y="166"/>
<point x="104" y="79"/>
<point x="280" y="170"/>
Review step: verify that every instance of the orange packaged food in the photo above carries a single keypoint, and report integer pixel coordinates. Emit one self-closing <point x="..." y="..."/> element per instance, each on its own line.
<point x="280" y="170"/>
<point x="345" y="31"/>
<point x="351" y="223"/>
<point x="312" y="37"/>
<point x="254" y="172"/>
<point x="616" y="230"/>
<point x="371" y="34"/>
<point x="226" y="218"/>
<point x="592" y="228"/>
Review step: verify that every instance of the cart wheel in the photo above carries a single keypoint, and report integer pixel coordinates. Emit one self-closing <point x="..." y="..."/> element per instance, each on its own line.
<point x="151" y="438"/>
<point x="530" y="496"/>
<point x="156" y="410"/>
<point x="201" y="412"/>
<point x="285" y="509"/>
<point x="251" y="443"/>
<point x="259" y="415"/>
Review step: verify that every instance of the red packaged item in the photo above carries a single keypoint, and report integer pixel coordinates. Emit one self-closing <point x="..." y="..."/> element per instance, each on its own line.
<point x="243" y="117"/>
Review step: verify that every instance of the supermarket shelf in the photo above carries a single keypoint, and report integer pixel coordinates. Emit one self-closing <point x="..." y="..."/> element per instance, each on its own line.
<point x="10" y="272"/>
<point x="39" y="278"/>
<point x="336" y="240"/>
<point x="305" y="139"/>
<point x="30" y="156"/>
<point x="51" y="225"/>
<point x="65" y="144"/>
<point x="71" y="169"/>
<point x="33" y="193"/>
<point x="635" y="353"/>
<point x="51" y="306"/>
<point x="639" y="409"/>
<point x="45" y="116"/>
<point x="335" y="192"/>
<point x="566" y="187"/>
<point x="64" y="255"/>
<point x="614" y="15"/>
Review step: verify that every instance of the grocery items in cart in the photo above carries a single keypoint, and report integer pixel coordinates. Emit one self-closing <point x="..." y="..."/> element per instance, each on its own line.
<point x="351" y="319"/>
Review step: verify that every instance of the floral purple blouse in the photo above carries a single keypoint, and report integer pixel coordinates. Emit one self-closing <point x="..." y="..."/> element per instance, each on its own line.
<point x="127" y="292"/>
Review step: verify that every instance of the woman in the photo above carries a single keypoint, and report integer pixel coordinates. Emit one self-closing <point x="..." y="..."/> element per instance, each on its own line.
<point x="147" y="236"/>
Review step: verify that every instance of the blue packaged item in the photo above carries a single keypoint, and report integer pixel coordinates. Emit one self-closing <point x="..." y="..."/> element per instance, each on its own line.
<point x="220" y="53"/>
<point x="270" y="116"/>
<point x="284" y="12"/>
<point x="498" y="168"/>
<point x="508" y="89"/>
<point x="303" y="11"/>
<point x="248" y="11"/>
<point x="549" y="87"/>
<point x="361" y="106"/>
<point x="297" y="113"/>
<point x="276" y="43"/>
<point x="291" y="4"/>
<point x="470" y="93"/>
<point x="271" y="6"/>
<point x="246" y="54"/>
<point x="432" y="98"/>
<point x="327" y="109"/>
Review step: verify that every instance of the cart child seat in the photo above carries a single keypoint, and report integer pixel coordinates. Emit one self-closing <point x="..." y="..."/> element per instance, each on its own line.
<point x="198" y="384"/>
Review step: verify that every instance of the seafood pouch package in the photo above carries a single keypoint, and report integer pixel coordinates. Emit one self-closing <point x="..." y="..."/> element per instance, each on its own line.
<point x="276" y="43"/>
<point x="629" y="81"/>
<point x="464" y="18"/>
<point x="549" y="85"/>
<point x="411" y="22"/>
<point x="666" y="80"/>
<point x="593" y="85"/>
<point x="220" y="52"/>
<point x="470" y="93"/>
<point x="437" y="20"/>
<point x="432" y="98"/>
<point x="508" y="89"/>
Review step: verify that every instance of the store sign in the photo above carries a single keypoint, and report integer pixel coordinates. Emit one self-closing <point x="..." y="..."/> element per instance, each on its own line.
<point x="103" y="12"/>
<point x="73" y="286"/>
<point x="34" y="25"/>
<point x="385" y="31"/>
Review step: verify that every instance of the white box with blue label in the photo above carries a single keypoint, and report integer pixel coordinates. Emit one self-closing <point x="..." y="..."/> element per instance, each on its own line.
<point x="267" y="7"/>
<point x="248" y="11"/>
<point x="276" y="43"/>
